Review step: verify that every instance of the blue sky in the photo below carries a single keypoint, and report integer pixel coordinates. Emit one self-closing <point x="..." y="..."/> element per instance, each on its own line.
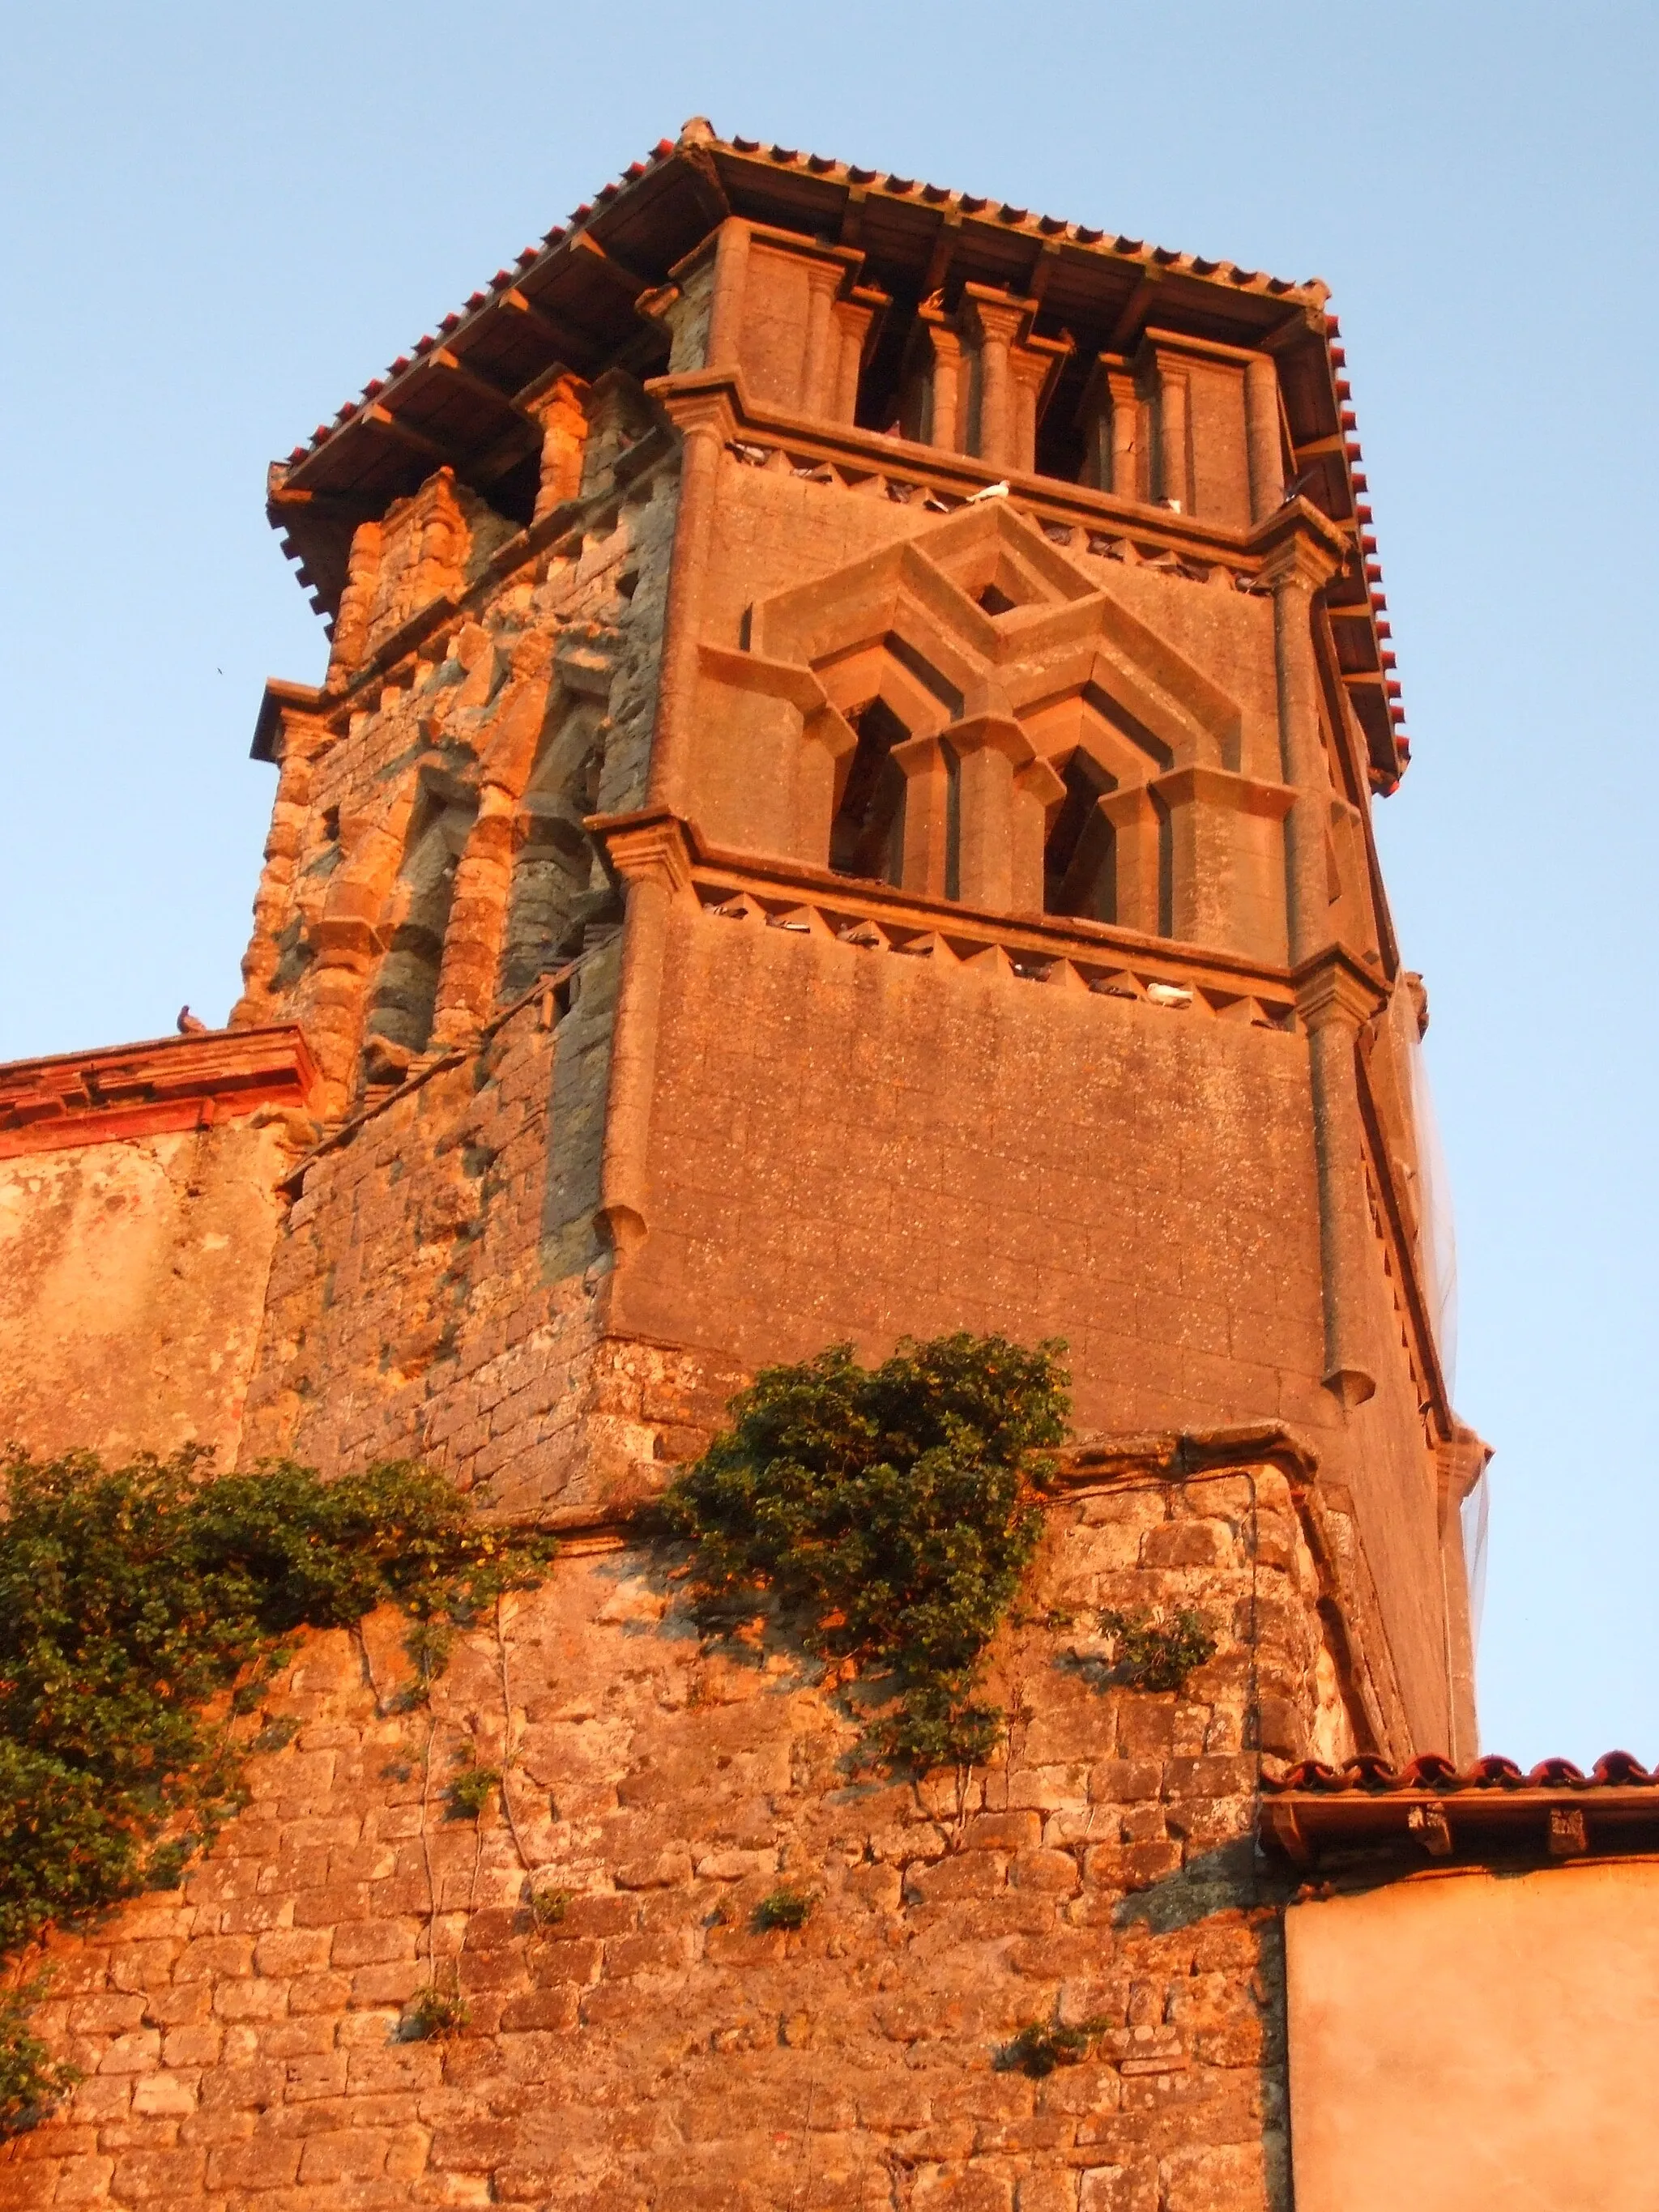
<point x="219" y="221"/>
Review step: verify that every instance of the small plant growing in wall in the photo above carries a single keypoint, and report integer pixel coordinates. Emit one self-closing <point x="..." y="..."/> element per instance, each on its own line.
<point x="1158" y="1651"/>
<point x="548" y="1905"/>
<point x="471" y="1790"/>
<point x="892" y="1512"/>
<point x="144" y="1610"/>
<point x="786" y="1906"/>
<point x="435" y="2015"/>
<point x="1041" y="2046"/>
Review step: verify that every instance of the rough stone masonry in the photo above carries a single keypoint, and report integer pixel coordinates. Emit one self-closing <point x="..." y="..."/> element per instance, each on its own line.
<point x="839" y="806"/>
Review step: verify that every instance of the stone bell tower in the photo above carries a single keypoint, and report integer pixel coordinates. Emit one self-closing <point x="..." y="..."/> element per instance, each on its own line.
<point x="841" y="806"/>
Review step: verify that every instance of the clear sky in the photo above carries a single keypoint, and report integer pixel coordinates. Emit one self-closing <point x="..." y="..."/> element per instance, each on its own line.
<point x="220" y="221"/>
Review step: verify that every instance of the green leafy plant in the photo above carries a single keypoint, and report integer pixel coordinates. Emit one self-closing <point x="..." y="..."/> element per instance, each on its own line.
<point x="1040" y="2047"/>
<point x="1157" y="1652"/>
<point x="435" y="2015"/>
<point x="144" y="1610"/>
<point x="890" y="1511"/>
<point x="31" y="2081"/>
<point x="786" y="1906"/>
<point x="471" y="1790"/>
<point x="547" y="1905"/>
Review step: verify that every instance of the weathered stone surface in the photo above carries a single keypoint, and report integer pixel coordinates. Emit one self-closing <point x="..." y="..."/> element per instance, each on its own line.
<point x="648" y="2044"/>
<point x="794" y="849"/>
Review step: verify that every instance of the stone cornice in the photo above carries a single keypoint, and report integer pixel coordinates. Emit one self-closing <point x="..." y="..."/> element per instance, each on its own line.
<point x="1333" y="986"/>
<point x="651" y="846"/>
<point x="142" y="1090"/>
<point x="1054" y="951"/>
<point x="1300" y="544"/>
<point x="958" y="476"/>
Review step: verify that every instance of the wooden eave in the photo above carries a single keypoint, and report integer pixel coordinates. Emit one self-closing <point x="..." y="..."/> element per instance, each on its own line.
<point x="1469" y="1826"/>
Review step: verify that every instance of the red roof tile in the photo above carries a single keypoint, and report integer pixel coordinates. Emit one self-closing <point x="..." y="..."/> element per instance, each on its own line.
<point x="698" y="143"/>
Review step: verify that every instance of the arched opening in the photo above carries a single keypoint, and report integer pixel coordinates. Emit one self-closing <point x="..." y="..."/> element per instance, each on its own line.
<point x="865" y="837"/>
<point x="1079" y="875"/>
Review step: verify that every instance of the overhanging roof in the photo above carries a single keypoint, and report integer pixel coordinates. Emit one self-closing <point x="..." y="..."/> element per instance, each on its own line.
<point x="1430" y="1809"/>
<point x="569" y="302"/>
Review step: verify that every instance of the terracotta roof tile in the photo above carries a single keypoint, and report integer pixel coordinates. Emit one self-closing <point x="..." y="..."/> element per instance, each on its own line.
<point x="1614" y="1770"/>
<point x="699" y="141"/>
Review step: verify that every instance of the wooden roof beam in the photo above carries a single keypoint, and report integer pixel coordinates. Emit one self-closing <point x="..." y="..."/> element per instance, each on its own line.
<point x="586" y="251"/>
<point x="405" y="433"/>
<point x="1134" y="313"/>
<point x="564" y="338"/>
<point x="946" y="242"/>
<point x="444" y="358"/>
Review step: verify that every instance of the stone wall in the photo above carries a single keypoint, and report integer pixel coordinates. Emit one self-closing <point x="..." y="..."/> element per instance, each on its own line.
<point x="241" y="2038"/>
<point x="132" y="1282"/>
<point x="441" y="1290"/>
<point x="850" y="1143"/>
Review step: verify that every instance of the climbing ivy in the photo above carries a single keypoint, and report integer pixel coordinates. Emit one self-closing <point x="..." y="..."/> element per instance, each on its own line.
<point x="891" y="1512"/>
<point x="144" y="1612"/>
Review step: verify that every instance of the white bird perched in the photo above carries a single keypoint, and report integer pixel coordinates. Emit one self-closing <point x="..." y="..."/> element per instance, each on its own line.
<point x="1168" y="994"/>
<point x="989" y="491"/>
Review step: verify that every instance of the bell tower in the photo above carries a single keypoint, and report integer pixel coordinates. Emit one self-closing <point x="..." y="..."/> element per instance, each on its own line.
<point x="841" y="808"/>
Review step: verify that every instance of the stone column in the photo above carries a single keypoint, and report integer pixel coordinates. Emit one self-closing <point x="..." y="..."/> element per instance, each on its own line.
<point x="1109" y="416"/>
<point x="925" y="831"/>
<point x="826" y="739"/>
<point x="1174" y="488"/>
<point x="647" y="853"/>
<point x="1004" y="794"/>
<point x="1035" y="367"/>
<point x="1125" y="437"/>
<point x="351" y="623"/>
<point x="300" y="739"/>
<point x="562" y="414"/>
<point x="991" y="322"/>
<point x="944" y="426"/>
<point x="856" y="318"/>
<point x="1226" y="879"/>
<point x="350" y="938"/>
<point x="1334" y="995"/>
<point x="820" y="356"/>
<point x="1136" y="899"/>
<point x="1039" y="790"/>
<point x="701" y="408"/>
<point x="1298" y="565"/>
<point x="725" y="300"/>
<point x="1334" y="998"/>
<point x="1263" y="437"/>
<point x="1460" y="1463"/>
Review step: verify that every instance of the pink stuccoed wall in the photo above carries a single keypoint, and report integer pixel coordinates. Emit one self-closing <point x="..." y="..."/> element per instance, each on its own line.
<point x="1470" y="2040"/>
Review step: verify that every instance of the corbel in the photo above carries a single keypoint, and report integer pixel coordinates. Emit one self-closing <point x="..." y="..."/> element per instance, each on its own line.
<point x="649" y="845"/>
<point x="1429" y="1824"/>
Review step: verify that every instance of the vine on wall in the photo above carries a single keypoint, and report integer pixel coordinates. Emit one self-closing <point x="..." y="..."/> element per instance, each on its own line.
<point x="892" y="1512"/>
<point x="144" y="1612"/>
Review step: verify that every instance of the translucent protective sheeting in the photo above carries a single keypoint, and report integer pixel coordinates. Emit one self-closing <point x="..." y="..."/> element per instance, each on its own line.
<point x="1439" y="1230"/>
<point x="1474" y="1512"/>
<point x="1439" y="1236"/>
